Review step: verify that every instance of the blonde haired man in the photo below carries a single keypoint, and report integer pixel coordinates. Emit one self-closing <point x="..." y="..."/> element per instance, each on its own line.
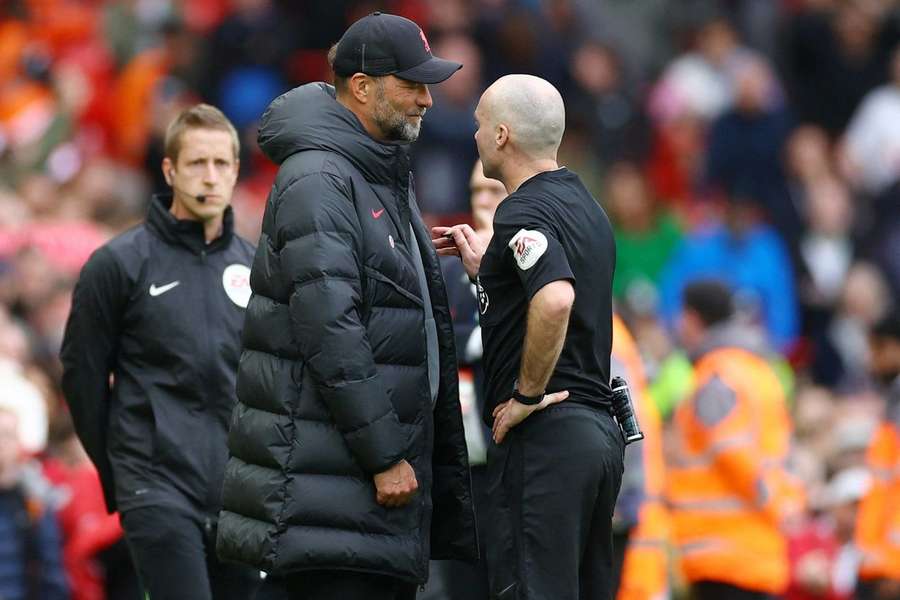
<point x="150" y="355"/>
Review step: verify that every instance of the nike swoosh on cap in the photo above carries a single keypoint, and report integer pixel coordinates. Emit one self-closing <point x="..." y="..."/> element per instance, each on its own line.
<point x="156" y="291"/>
<point x="377" y="213"/>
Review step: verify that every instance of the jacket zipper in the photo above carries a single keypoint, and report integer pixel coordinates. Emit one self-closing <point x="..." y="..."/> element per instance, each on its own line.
<point x="210" y="490"/>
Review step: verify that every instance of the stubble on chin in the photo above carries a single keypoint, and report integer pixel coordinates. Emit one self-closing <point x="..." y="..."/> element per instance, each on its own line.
<point x="410" y="132"/>
<point x="397" y="127"/>
<point x="394" y="124"/>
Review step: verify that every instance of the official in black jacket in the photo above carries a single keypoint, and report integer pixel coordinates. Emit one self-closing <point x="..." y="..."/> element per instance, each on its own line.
<point x="349" y="462"/>
<point x="150" y="355"/>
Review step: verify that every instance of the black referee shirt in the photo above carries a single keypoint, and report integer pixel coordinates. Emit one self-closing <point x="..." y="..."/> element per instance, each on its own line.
<point x="551" y="228"/>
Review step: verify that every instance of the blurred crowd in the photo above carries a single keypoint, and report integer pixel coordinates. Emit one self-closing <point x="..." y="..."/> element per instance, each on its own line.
<point x="752" y="141"/>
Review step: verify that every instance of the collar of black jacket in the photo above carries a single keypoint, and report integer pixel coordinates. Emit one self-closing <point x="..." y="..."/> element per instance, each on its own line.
<point x="309" y="117"/>
<point x="187" y="233"/>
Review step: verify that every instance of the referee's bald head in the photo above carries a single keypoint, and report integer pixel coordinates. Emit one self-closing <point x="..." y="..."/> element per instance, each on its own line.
<point x="531" y="110"/>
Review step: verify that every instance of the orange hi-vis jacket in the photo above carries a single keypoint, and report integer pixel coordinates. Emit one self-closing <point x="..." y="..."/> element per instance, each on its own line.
<point x="728" y="488"/>
<point x="878" y="520"/>
<point x="645" y="570"/>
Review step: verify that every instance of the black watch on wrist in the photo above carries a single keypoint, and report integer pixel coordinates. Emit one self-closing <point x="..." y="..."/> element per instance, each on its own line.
<point x="523" y="399"/>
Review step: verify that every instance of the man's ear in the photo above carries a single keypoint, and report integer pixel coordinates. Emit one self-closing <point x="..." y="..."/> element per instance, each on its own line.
<point x="361" y="86"/>
<point x="167" y="169"/>
<point x="501" y="135"/>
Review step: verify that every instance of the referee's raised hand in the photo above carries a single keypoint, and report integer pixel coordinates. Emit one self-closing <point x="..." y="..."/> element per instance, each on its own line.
<point x="461" y="241"/>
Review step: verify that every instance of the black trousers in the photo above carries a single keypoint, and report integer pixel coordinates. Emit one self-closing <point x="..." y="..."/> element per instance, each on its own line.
<point x="456" y="579"/>
<point x="175" y="557"/>
<point x="714" y="590"/>
<point x="121" y="577"/>
<point x="553" y="485"/>
<point x="336" y="585"/>
<point x="620" y="548"/>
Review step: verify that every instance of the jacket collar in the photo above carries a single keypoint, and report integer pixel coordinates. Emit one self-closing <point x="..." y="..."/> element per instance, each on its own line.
<point x="309" y="117"/>
<point x="186" y="233"/>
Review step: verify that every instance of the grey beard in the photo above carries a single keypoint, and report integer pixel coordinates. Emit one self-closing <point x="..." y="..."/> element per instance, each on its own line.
<point x="393" y="123"/>
<point x="409" y="132"/>
<point x="397" y="128"/>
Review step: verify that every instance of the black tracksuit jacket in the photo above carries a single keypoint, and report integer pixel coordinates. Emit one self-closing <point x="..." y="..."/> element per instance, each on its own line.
<point x="150" y="354"/>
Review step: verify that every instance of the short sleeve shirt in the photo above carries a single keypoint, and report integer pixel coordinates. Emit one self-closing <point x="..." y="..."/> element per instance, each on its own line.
<point x="550" y="229"/>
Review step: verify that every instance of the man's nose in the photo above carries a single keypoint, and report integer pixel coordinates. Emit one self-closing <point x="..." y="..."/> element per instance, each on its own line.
<point x="210" y="174"/>
<point x="424" y="99"/>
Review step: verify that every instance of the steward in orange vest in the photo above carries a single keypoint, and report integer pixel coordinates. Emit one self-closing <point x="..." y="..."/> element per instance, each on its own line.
<point x="728" y="489"/>
<point x="878" y="522"/>
<point x="640" y="510"/>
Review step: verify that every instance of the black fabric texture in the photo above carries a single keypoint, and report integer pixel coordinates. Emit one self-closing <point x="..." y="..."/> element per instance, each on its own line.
<point x="333" y="385"/>
<point x="556" y="218"/>
<point x="175" y="557"/>
<point x="329" y="585"/>
<point x="552" y="486"/>
<point x="151" y="308"/>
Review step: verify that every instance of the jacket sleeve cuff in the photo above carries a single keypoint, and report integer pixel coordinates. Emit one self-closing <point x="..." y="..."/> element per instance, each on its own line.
<point x="367" y="420"/>
<point x="380" y="444"/>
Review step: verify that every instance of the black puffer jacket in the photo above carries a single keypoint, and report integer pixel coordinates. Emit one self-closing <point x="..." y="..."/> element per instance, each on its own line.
<point x="333" y="381"/>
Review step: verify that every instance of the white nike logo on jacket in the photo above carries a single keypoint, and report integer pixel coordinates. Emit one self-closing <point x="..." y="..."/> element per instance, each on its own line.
<point x="156" y="291"/>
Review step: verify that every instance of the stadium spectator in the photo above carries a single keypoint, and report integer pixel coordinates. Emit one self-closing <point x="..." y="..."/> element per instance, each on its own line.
<point x="603" y="102"/>
<point x="30" y="547"/>
<point x="646" y="235"/>
<point x="94" y="551"/>
<point x="727" y="488"/>
<point x="745" y="145"/>
<point x="879" y="514"/>
<point x="833" y="54"/>
<point x="444" y="153"/>
<point x="641" y="525"/>
<point x="742" y="250"/>
<point x="823" y="554"/>
<point x="872" y="141"/>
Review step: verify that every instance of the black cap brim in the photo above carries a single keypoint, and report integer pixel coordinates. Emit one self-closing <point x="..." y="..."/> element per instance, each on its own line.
<point x="433" y="70"/>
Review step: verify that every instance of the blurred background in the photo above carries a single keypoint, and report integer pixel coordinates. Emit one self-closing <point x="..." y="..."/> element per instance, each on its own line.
<point x="757" y="141"/>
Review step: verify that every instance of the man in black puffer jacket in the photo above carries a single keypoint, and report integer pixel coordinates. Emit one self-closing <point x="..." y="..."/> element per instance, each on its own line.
<point x="348" y="465"/>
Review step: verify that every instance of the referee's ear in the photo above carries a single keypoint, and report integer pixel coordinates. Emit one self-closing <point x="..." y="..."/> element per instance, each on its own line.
<point x="501" y="135"/>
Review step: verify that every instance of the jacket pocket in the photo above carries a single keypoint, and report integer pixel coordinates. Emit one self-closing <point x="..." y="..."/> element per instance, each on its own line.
<point x="134" y="431"/>
<point x="376" y="275"/>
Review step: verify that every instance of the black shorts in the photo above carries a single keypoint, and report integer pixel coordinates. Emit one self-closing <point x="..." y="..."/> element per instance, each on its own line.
<point x="552" y="486"/>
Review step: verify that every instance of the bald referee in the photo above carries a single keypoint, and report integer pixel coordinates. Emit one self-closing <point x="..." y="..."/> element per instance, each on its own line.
<point x="545" y="300"/>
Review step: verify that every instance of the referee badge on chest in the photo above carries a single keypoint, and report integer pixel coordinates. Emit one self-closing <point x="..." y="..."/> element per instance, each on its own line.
<point x="528" y="246"/>
<point x="236" y="281"/>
